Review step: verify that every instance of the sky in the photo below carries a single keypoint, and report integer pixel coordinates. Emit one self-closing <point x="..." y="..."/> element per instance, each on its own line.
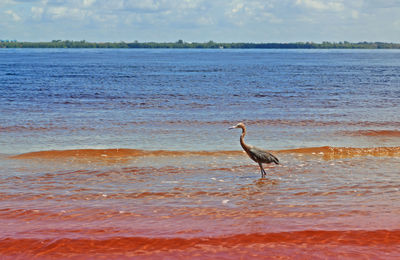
<point x="201" y="20"/>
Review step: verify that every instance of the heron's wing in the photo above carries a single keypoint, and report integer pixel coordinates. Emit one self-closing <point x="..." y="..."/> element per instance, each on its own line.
<point x="262" y="156"/>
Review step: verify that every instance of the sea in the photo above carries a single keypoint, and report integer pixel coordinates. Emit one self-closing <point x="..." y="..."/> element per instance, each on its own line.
<point x="126" y="154"/>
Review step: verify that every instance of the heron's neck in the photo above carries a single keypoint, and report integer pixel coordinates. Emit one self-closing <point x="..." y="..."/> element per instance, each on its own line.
<point x="242" y="143"/>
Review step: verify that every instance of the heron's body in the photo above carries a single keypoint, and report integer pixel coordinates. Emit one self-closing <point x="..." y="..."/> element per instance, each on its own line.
<point x="258" y="155"/>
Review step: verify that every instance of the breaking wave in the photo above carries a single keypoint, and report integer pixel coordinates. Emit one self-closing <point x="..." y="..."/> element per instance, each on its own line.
<point x="325" y="151"/>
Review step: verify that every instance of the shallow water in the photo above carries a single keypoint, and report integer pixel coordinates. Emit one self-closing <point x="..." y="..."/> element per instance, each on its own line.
<point x="126" y="154"/>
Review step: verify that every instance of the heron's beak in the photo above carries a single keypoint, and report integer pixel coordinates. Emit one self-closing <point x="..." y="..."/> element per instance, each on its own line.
<point x="232" y="127"/>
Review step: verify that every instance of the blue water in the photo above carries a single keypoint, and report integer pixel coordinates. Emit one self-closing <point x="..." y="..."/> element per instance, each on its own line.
<point x="186" y="99"/>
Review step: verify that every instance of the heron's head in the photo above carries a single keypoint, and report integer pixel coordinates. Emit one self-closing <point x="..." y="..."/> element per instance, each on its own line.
<point x="240" y="125"/>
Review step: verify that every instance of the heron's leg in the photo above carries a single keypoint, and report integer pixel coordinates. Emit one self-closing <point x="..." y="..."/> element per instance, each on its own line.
<point x="263" y="173"/>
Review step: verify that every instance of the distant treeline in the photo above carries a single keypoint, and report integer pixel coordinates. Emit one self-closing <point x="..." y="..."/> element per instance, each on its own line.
<point x="207" y="45"/>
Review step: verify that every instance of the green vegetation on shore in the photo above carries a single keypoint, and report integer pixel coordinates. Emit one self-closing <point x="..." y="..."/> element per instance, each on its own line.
<point x="207" y="45"/>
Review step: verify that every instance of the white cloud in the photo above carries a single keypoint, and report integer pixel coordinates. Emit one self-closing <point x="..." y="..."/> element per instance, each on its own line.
<point x="355" y="14"/>
<point x="58" y="12"/>
<point x="201" y="20"/>
<point x="63" y="12"/>
<point x="205" y="20"/>
<point x="5" y="2"/>
<point x="105" y="18"/>
<point x="396" y="24"/>
<point x="237" y="7"/>
<point x="88" y="3"/>
<point x="375" y="4"/>
<point x="242" y="12"/>
<point x="37" y="12"/>
<point x="142" y="5"/>
<point x="321" y="5"/>
<point x="13" y="15"/>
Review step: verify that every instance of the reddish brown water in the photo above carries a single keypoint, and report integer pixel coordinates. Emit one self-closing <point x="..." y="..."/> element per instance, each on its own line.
<point x="322" y="202"/>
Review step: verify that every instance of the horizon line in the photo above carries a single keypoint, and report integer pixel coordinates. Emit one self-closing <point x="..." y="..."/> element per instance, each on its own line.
<point x="203" y="42"/>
